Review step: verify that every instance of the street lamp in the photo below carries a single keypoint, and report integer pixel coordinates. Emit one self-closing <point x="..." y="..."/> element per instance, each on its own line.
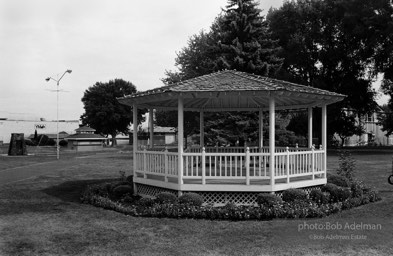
<point x="57" y="104"/>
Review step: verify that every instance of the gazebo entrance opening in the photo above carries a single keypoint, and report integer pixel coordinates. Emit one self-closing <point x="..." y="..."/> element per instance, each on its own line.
<point x="230" y="171"/>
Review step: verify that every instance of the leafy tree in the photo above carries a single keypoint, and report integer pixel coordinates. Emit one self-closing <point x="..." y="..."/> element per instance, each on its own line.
<point x="239" y="38"/>
<point x="349" y="126"/>
<point x="298" y="124"/>
<point x="339" y="45"/>
<point x="385" y="119"/>
<point x="102" y="110"/>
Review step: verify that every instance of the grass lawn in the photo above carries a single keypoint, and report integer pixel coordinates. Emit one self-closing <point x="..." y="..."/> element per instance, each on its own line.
<point x="42" y="215"/>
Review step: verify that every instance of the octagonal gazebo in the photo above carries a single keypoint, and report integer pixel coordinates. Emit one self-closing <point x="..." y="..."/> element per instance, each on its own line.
<point x="230" y="173"/>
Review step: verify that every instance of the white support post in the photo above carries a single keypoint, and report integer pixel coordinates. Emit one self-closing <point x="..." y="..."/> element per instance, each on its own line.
<point x="260" y="129"/>
<point x="309" y="127"/>
<point x="202" y="129"/>
<point x="272" y="132"/>
<point x="180" y="138"/>
<point x="247" y="166"/>
<point x="151" y="127"/>
<point x="324" y="136"/>
<point x="134" y="141"/>
<point x="203" y="166"/>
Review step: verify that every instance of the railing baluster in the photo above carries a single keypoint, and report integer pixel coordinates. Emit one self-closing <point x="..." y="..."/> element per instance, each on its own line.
<point x="312" y="162"/>
<point x="144" y="164"/>
<point x="203" y="166"/>
<point x="287" y="165"/>
<point x="247" y="166"/>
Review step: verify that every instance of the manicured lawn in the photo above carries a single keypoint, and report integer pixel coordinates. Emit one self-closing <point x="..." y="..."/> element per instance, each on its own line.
<point x="42" y="215"/>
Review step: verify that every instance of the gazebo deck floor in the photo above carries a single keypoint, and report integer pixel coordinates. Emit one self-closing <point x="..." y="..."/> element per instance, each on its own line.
<point x="218" y="181"/>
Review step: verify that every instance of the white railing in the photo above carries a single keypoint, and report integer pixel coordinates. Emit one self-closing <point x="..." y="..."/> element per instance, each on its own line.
<point x="300" y="163"/>
<point x="231" y="164"/>
<point x="162" y="163"/>
<point x="243" y="149"/>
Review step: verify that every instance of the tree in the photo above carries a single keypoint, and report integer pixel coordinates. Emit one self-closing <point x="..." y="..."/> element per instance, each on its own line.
<point x="349" y="126"/>
<point x="385" y="119"/>
<point x="335" y="45"/>
<point x="239" y="38"/>
<point x="102" y="110"/>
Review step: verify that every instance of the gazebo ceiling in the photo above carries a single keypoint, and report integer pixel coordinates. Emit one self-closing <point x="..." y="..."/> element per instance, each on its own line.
<point x="231" y="90"/>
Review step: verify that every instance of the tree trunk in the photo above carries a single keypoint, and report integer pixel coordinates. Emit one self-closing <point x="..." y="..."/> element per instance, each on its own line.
<point x="114" y="142"/>
<point x="342" y="141"/>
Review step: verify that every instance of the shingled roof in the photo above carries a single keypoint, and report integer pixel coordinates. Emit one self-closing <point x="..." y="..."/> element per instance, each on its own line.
<point x="231" y="90"/>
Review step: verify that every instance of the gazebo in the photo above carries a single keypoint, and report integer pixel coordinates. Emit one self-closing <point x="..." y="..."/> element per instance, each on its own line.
<point x="236" y="174"/>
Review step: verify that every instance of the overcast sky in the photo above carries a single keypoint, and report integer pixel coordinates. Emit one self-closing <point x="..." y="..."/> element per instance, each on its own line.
<point x="98" y="40"/>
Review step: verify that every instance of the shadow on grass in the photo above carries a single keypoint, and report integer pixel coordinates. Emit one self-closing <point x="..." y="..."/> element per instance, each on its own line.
<point x="71" y="191"/>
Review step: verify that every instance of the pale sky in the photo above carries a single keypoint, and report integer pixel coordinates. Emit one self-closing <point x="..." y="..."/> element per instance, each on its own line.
<point x="99" y="40"/>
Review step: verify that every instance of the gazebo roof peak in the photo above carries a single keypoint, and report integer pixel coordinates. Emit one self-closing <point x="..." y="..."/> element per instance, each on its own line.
<point x="216" y="91"/>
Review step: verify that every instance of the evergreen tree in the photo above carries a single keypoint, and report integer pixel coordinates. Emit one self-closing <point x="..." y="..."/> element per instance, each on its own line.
<point x="239" y="39"/>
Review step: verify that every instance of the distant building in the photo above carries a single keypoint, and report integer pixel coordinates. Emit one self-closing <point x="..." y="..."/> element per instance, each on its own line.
<point x="373" y="134"/>
<point x="27" y="127"/>
<point x="85" y="140"/>
<point x="161" y="136"/>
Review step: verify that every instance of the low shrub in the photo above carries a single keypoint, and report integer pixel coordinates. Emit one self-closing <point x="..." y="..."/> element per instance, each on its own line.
<point x="346" y="165"/>
<point x="338" y="180"/>
<point x="337" y="194"/>
<point x="356" y="189"/>
<point x="373" y="196"/>
<point x="319" y="197"/>
<point x="122" y="190"/>
<point x="130" y="179"/>
<point x="130" y="199"/>
<point x="63" y="143"/>
<point x="191" y="199"/>
<point x="268" y="200"/>
<point x="270" y="206"/>
<point x="94" y="190"/>
<point x="166" y="198"/>
<point x="352" y="202"/>
<point x="145" y="202"/>
<point x="30" y="143"/>
<point x="294" y="194"/>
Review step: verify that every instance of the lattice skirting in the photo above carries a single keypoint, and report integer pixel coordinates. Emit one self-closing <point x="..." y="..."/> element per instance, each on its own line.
<point x="216" y="198"/>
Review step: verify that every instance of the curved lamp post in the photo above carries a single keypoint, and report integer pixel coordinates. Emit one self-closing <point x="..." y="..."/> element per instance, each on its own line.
<point x="57" y="114"/>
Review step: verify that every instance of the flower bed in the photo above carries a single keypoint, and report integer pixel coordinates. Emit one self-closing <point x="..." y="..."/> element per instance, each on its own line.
<point x="318" y="203"/>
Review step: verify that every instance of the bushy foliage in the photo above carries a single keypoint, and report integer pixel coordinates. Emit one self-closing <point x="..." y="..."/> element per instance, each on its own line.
<point x="166" y="198"/>
<point x="268" y="200"/>
<point x="293" y="194"/>
<point x="338" y="180"/>
<point x="63" y="143"/>
<point x="191" y="199"/>
<point x="337" y="194"/>
<point x="122" y="190"/>
<point x="319" y="197"/>
<point x="146" y="202"/>
<point x="30" y="143"/>
<point x="44" y="140"/>
<point x="346" y="165"/>
<point x="130" y="179"/>
<point x="269" y="206"/>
